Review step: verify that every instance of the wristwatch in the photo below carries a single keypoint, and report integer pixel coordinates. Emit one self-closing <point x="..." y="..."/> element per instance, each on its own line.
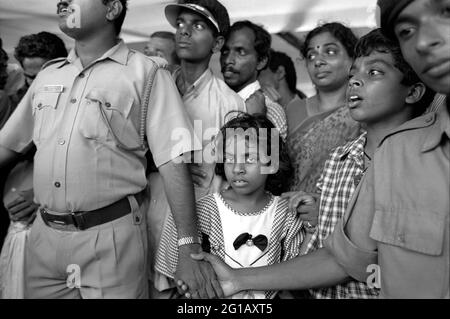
<point x="189" y="240"/>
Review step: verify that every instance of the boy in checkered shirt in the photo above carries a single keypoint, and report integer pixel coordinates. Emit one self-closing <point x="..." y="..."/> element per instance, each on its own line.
<point x="383" y="93"/>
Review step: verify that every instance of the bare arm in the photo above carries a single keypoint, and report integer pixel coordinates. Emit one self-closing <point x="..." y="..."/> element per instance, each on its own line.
<point x="321" y="268"/>
<point x="316" y="270"/>
<point x="180" y="194"/>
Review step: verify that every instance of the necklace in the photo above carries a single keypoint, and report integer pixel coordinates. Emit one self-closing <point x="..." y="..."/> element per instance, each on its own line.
<point x="259" y="212"/>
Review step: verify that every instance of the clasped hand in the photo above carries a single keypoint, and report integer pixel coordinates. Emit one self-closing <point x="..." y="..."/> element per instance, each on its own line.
<point x="303" y="203"/>
<point x="196" y="274"/>
<point x="23" y="208"/>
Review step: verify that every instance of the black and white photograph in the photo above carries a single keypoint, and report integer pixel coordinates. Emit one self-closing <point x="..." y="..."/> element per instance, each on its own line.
<point x="243" y="150"/>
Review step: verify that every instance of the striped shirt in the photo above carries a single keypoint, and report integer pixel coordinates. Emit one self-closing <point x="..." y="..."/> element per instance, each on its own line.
<point x="341" y="175"/>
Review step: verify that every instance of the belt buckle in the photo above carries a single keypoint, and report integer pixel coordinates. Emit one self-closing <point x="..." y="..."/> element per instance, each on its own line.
<point x="74" y="219"/>
<point x="47" y="219"/>
<point x="78" y="220"/>
<point x="43" y="212"/>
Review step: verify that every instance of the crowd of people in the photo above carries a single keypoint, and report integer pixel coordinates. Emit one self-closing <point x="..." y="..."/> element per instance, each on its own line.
<point x="131" y="174"/>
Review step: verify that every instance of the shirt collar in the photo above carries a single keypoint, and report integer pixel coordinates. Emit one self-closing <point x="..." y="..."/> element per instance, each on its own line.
<point x="353" y="149"/>
<point x="440" y="130"/>
<point x="198" y="85"/>
<point x="118" y="53"/>
<point x="247" y="91"/>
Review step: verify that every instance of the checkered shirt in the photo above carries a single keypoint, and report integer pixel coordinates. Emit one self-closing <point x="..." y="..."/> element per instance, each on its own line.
<point x="286" y="236"/>
<point x="340" y="177"/>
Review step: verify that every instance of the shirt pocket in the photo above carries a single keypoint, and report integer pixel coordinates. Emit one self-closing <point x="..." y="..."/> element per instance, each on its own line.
<point x="422" y="232"/>
<point x="44" y="111"/>
<point x="105" y="113"/>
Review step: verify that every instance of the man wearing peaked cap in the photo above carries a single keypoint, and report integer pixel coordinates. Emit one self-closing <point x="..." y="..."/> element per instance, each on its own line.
<point x="212" y="10"/>
<point x="200" y="28"/>
<point x="397" y="242"/>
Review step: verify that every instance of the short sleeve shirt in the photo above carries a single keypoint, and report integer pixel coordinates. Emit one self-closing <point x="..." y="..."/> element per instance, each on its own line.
<point x="210" y="103"/>
<point x="406" y="192"/>
<point x="77" y="117"/>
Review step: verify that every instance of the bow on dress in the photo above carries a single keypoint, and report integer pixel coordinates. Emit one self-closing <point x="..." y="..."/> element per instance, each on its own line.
<point x="259" y="241"/>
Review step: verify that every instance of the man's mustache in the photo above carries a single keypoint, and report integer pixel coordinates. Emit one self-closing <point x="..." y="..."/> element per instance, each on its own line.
<point x="229" y="69"/>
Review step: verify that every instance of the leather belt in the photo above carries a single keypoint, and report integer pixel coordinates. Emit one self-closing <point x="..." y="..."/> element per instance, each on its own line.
<point x="85" y="220"/>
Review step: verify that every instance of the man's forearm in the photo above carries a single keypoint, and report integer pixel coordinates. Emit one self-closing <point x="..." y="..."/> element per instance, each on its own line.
<point x="180" y="194"/>
<point x="315" y="270"/>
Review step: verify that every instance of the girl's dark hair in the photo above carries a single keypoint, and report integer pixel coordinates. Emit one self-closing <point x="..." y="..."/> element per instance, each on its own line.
<point x="342" y="33"/>
<point x="276" y="183"/>
<point x="376" y="41"/>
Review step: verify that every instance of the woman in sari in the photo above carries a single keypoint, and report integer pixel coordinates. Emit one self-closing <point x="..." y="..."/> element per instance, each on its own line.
<point x="323" y="122"/>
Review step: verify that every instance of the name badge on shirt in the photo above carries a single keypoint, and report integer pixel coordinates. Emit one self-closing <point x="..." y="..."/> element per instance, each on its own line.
<point x="50" y="96"/>
<point x="53" y="88"/>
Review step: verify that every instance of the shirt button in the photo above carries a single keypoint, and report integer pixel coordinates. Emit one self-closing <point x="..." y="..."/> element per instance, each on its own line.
<point x="73" y="101"/>
<point x="61" y="142"/>
<point x="57" y="184"/>
<point x="39" y="106"/>
<point x="81" y="75"/>
<point x="216" y="247"/>
<point x="107" y="104"/>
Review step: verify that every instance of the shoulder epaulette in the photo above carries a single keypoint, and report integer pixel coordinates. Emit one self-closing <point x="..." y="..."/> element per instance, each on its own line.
<point x="159" y="62"/>
<point x="48" y="63"/>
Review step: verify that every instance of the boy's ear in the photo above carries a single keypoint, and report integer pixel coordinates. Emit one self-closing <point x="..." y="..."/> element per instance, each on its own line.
<point x="218" y="44"/>
<point x="416" y="92"/>
<point x="113" y="10"/>
<point x="280" y="73"/>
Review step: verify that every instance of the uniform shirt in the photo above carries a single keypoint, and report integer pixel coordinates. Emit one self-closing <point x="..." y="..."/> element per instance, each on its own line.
<point x="275" y="112"/>
<point x="341" y="175"/>
<point x="78" y="165"/>
<point x="406" y="195"/>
